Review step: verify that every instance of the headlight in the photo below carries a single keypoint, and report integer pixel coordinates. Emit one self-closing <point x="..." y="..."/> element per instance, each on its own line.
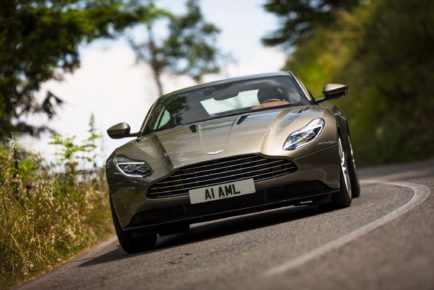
<point x="132" y="168"/>
<point x="304" y="135"/>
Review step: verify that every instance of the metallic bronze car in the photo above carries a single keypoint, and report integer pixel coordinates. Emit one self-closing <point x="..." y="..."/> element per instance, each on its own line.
<point x="227" y="148"/>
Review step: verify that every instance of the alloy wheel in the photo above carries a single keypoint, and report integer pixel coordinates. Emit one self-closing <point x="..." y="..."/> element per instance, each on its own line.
<point x="344" y="167"/>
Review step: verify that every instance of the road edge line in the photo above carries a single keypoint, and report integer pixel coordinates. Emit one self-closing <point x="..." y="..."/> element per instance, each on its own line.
<point x="421" y="193"/>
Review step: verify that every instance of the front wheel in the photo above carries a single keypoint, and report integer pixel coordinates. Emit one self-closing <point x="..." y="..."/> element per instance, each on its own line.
<point x="133" y="242"/>
<point x="352" y="170"/>
<point x="343" y="197"/>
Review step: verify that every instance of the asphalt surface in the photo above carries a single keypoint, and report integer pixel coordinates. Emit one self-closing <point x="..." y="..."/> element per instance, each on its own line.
<point x="385" y="240"/>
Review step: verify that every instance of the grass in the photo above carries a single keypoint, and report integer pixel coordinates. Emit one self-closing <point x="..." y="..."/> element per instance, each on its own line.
<point x="46" y="217"/>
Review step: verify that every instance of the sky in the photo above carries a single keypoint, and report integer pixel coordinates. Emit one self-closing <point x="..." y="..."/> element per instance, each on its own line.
<point x="113" y="87"/>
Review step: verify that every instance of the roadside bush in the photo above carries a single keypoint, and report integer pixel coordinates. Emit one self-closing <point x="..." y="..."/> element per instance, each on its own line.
<point x="46" y="216"/>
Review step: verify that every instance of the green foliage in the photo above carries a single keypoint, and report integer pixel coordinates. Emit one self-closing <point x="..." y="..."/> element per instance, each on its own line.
<point x="71" y="152"/>
<point x="384" y="51"/>
<point x="298" y="19"/>
<point x="189" y="49"/>
<point x="44" y="218"/>
<point x="191" y="45"/>
<point x="69" y="149"/>
<point x="48" y="214"/>
<point x="39" y="40"/>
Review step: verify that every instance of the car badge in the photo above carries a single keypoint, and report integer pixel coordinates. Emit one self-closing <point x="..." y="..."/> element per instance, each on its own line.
<point x="214" y="152"/>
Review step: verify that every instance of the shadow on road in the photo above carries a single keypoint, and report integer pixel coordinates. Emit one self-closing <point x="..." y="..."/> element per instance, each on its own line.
<point x="214" y="229"/>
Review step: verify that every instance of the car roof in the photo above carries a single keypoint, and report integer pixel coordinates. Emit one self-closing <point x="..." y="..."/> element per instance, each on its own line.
<point x="228" y="80"/>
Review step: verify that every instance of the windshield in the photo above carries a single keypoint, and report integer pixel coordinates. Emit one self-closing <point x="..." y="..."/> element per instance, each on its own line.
<point x="223" y="100"/>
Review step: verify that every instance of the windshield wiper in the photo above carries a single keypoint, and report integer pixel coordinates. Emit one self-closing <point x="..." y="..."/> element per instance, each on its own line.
<point x="241" y="119"/>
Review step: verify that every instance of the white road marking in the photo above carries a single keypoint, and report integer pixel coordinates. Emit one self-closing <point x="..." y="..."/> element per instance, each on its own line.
<point x="421" y="193"/>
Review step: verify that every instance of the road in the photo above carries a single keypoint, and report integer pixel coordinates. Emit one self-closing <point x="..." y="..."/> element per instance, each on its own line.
<point x="385" y="240"/>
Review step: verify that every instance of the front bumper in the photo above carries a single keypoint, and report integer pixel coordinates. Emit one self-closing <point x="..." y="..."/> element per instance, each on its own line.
<point x="317" y="177"/>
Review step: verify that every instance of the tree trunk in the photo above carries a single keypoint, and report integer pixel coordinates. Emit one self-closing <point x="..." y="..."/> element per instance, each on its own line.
<point x="155" y="63"/>
<point x="157" y="78"/>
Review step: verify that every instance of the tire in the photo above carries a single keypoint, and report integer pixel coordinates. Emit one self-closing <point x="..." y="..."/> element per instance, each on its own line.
<point x="133" y="242"/>
<point x="343" y="198"/>
<point x="352" y="169"/>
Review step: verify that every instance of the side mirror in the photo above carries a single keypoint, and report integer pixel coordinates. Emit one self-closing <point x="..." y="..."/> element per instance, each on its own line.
<point x="333" y="91"/>
<point x="120" y="130"/>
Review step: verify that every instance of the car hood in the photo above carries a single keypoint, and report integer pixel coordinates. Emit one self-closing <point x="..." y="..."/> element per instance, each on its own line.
<point x="221" y="137"/>
<point x="256" y="132"/>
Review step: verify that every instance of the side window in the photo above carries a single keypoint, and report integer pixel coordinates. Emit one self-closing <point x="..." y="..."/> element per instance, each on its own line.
<point x="162" y="120"/>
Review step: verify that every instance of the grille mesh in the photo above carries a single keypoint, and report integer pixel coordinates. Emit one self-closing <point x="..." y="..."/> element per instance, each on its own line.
<point x="220" y="171"/>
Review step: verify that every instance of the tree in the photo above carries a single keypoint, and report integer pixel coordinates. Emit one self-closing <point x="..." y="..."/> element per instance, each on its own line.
<point x="40" y="40"/>
<point x="384" y="51"/>
<point x="298" y="18"/>
<point x="189" y="49"/>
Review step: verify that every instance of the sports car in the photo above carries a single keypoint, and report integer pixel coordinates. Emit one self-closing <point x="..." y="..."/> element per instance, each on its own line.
<point x="227" y="148"/>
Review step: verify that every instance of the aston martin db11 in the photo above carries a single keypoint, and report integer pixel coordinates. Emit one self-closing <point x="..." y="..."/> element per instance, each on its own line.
<point x="227" y="148"/>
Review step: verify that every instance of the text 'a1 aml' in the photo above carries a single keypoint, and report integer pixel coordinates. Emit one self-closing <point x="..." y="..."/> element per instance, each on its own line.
<point x="223" y="191"/>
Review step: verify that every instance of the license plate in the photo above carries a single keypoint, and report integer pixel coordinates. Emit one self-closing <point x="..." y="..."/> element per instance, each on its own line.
<point x="222" y="191"/>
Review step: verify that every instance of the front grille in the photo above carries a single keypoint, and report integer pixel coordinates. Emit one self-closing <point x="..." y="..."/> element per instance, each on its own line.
<point x="221" y="171"/>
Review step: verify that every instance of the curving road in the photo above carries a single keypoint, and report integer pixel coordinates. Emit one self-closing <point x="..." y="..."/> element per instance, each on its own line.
<point x="385" y="240"/>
